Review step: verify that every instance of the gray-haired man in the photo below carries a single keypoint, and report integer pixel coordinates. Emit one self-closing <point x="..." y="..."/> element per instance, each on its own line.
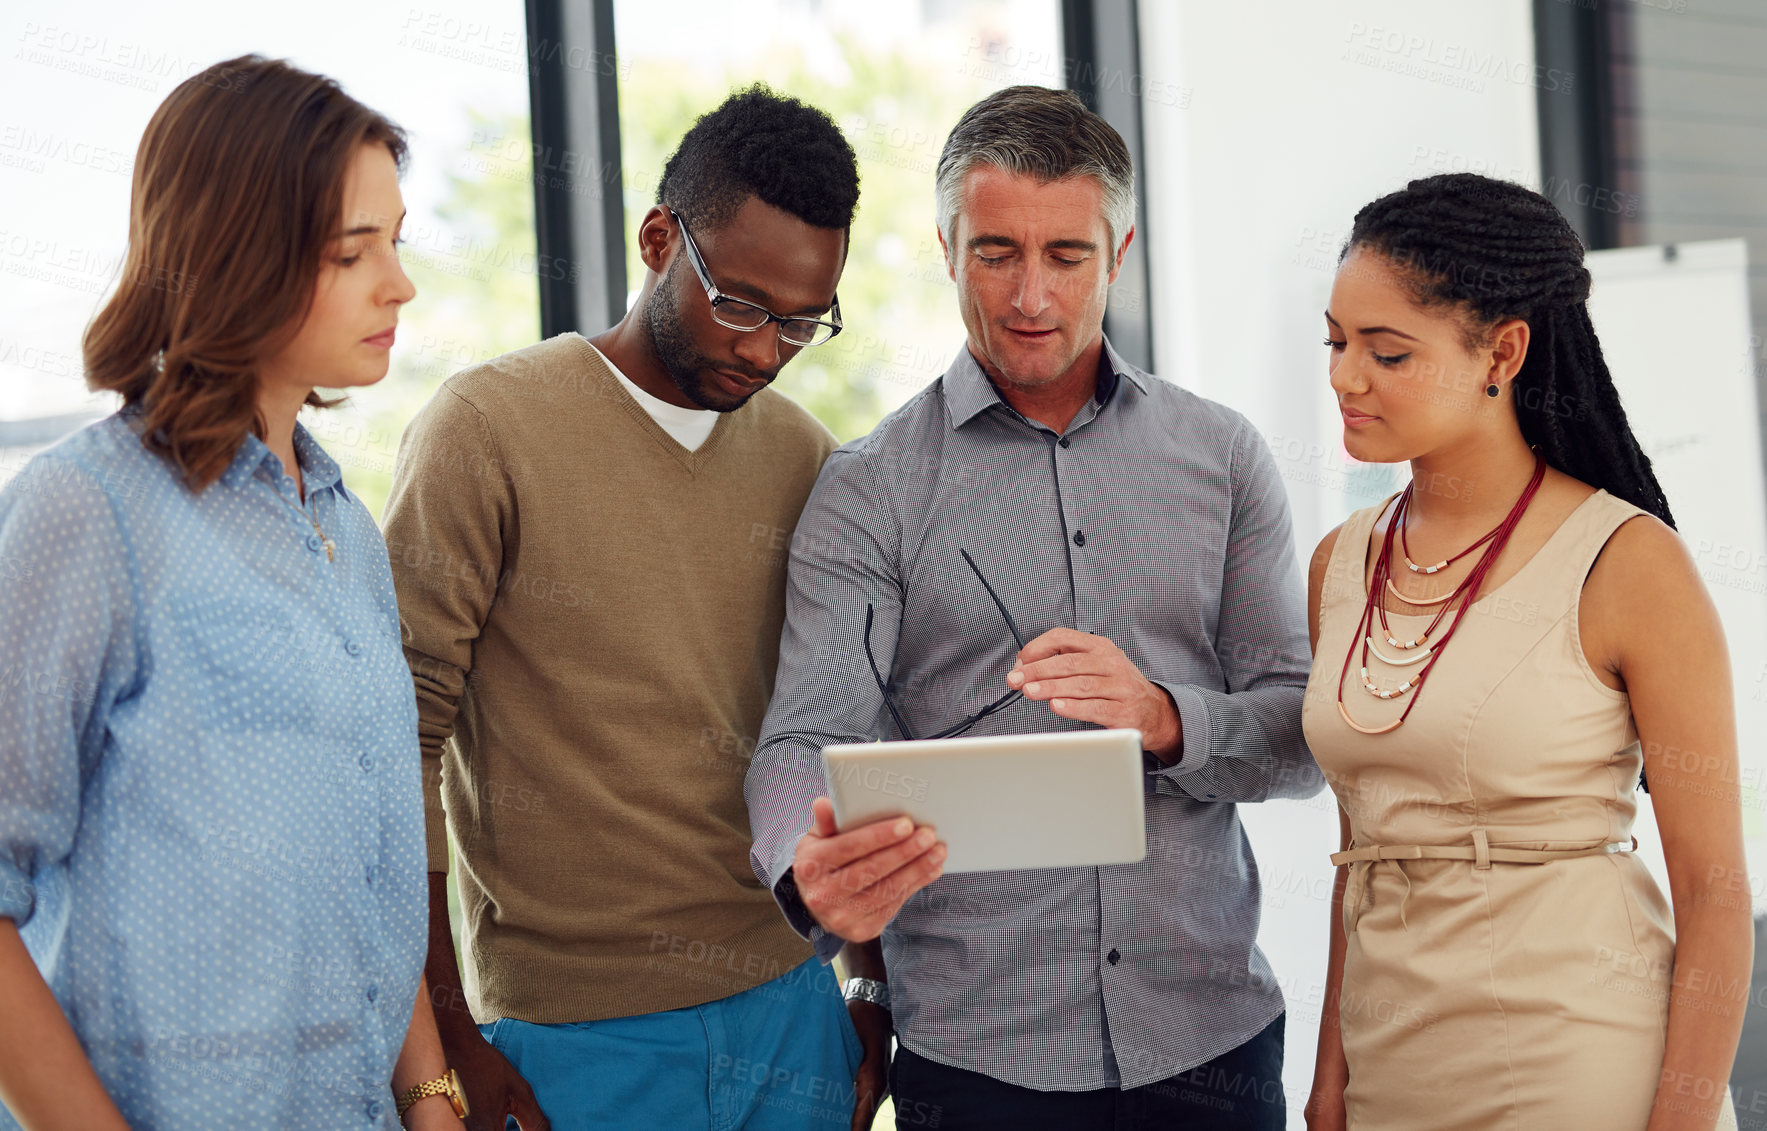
<point x="1143" y="533"/>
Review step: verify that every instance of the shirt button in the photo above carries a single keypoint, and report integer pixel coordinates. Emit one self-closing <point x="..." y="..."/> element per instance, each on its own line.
<point x="353" y="648"/>
<point x="373" y="991"/>
<point x="367" y="763"/>
<point x="1113" y="956"/>
<point x="1063" y="441"/>
<point x="376" y="1110"/>
<point x="315" y="543"/>
<point x="1079" y="537"/>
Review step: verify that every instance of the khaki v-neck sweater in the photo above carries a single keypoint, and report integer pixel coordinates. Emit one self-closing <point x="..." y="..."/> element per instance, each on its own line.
<point x="592" y="616"/>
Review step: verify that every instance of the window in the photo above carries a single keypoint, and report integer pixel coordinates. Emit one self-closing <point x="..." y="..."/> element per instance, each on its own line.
<point x="81" y="85"/>
<point x="895" y="78"/>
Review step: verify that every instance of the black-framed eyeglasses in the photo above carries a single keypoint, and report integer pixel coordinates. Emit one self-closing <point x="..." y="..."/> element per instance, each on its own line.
<point x="739" y="314"/>
<point x="997" y="705"/>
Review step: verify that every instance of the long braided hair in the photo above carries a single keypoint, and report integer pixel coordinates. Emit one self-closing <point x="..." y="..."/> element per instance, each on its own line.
<point x="1500" y="251"/>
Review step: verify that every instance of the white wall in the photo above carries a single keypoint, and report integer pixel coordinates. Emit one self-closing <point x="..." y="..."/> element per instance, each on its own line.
<point x="1675" y="333"/>
<point x="1289" y="118"/>
<point x="1287" y="122"/>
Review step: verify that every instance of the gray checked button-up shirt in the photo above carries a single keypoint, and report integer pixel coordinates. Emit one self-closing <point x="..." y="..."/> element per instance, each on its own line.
<point x="1158" y="520"/>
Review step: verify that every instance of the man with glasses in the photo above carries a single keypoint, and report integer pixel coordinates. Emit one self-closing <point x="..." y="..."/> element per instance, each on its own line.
<point x="1048" y="538"/>
<point x="587" y="537"/>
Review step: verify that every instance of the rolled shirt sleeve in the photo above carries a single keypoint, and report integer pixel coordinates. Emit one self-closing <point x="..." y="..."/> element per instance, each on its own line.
<point x="210" y="832"/>
<point x="65" y="615"/>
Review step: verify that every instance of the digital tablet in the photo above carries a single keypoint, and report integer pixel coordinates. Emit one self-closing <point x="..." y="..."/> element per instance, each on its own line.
<point x="1064" y="800"/>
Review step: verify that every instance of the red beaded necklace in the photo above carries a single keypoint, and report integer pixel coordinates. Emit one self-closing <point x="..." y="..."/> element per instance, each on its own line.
<point x="1405" y="549"/>
<point x="1462" y="597"/>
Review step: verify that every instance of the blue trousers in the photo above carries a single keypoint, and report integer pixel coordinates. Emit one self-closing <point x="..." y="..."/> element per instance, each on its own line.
<point x="776" y="1057"/>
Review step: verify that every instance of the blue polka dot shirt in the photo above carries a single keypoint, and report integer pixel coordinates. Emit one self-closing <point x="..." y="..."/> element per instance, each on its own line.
<point x="211" y="822"/>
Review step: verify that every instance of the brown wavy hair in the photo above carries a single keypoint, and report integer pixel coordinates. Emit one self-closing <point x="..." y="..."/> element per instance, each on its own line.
<point x="238" y="187"/>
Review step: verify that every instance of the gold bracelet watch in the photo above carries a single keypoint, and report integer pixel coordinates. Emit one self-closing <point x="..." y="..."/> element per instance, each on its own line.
<point x="447" y="1084"/>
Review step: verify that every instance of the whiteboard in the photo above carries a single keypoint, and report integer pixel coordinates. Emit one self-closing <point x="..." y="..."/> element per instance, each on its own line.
<point x="1674" y="327"/>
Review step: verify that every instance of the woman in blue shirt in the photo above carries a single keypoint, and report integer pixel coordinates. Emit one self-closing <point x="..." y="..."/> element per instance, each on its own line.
<point x="212" y="889"/>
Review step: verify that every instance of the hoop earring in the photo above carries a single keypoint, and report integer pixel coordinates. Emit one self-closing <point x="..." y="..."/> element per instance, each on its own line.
<point x="1492" y="390"/>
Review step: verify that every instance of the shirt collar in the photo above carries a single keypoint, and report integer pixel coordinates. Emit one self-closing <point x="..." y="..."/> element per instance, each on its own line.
<point x="317" y="468"/>
<point x="969" y="392"/>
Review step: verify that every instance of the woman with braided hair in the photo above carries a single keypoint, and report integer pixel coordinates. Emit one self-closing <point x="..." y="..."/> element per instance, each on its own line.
<point x="1499" y="650"/>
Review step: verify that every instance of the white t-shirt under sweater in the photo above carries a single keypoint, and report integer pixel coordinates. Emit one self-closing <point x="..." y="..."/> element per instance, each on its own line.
<point x="689" y="426"/>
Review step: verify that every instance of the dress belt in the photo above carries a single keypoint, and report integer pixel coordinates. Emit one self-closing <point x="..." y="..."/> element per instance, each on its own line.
<point x="1362" y="858"/>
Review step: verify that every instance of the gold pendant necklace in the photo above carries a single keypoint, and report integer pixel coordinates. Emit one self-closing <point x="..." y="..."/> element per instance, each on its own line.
<point x="330" y="546"/>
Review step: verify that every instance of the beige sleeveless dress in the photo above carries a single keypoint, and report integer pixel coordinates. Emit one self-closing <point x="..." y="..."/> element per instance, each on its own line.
<point x="1508" y="958"/>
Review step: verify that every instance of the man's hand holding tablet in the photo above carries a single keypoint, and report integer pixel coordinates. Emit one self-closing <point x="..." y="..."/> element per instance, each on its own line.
<point x="855" y="882"/>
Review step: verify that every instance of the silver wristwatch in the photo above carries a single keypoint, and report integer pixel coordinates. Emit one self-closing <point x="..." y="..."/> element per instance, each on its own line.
<point x="868" y="989"/>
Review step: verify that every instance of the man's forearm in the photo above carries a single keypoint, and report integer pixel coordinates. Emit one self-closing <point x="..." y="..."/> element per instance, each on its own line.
<point x="1168" y="747"/>
<point x="420" y="1058"/>
<point x="441" y="969"/>
<point x="865" y="960"/>
<point x="45" y="1079"/>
